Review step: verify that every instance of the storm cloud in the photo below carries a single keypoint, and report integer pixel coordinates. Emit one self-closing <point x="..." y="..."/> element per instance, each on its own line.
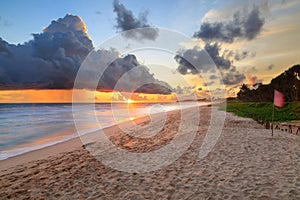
<point x="136" y="28"/>
<point x="245" y="25"/>
<point x="52" y="59"/>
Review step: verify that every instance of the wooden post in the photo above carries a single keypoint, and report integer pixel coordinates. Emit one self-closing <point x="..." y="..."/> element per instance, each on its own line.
<point x="272" y="120"/>
<point x="290" y="129"/>
<point x="267" y="124"/>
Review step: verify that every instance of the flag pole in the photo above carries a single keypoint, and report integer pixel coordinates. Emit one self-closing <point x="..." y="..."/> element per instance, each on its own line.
<point x="273" y="119"/>
<point x="278" y="101"/>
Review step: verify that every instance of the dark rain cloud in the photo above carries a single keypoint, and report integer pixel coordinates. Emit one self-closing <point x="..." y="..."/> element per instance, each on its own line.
<point x="136" y="28"/>
<point x="52" y="58"/>
<point x="243" y="25"/>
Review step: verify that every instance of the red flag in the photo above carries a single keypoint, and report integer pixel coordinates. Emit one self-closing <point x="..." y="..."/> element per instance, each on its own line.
<point x="278" y="99"/>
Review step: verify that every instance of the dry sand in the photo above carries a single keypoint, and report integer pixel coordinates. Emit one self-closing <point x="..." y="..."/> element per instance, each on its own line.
<point x="246" y="163"/>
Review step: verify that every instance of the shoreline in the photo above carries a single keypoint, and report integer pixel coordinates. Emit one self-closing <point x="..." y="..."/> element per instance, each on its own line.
<point x="58" y="148"/>
<point x="64" y="136"/>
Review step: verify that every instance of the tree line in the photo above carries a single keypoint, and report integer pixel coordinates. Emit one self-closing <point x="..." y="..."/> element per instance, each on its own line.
<point x="288" y="83"/>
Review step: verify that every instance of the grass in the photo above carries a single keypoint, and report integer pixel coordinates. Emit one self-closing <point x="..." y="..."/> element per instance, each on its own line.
<point x="263" y="111"/>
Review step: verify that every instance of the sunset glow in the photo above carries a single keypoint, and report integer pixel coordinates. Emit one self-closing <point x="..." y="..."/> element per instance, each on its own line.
<point x="65" y="96"/>
<point x="130" y="101"/>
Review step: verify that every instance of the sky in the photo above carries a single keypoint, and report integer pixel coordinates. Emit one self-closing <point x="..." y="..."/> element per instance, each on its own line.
<point x="43" y="44"/>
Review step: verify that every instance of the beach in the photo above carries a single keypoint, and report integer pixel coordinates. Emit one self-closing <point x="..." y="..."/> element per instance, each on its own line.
<point x="246" y="163"/>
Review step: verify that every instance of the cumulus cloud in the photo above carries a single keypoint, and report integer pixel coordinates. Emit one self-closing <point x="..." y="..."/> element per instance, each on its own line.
<point x="133" y="77"/>
<point x="52" y="58"/>
<point x="191" y="61"/>
<point x="136" y="28"/>
<point x="243" y="25"/>
<point x="214" y="52"/>
<point x="195" y="61"/>
<point x="4" y="48"/>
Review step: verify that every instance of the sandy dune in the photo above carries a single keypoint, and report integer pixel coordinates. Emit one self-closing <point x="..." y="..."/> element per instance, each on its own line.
<point x="246" y="163"/>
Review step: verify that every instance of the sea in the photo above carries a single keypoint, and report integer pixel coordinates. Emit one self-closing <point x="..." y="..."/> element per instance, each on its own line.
<point x="28" y="127"/>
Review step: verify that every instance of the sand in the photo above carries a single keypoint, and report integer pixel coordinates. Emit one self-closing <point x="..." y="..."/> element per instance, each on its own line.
<point x="246" y="163"/>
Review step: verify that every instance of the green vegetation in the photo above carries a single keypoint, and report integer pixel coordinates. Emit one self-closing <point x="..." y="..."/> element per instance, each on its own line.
<point x="256" y="101"/>
<point x="288" y="83"/>
<point x="263" y="111"/>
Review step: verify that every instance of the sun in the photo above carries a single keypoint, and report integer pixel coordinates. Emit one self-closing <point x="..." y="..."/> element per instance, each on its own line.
<point x="130" y="101"/>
